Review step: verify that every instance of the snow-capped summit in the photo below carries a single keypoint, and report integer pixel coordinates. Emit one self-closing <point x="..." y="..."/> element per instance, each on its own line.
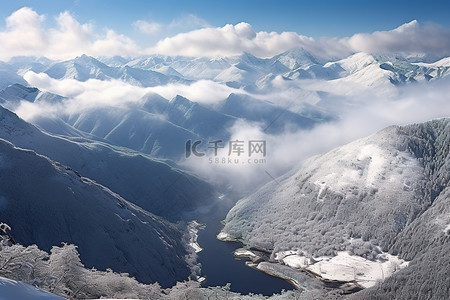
<point x="297" y="58"/>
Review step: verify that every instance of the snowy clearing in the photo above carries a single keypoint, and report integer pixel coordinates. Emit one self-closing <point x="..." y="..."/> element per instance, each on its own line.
<point x="345" y="267"/>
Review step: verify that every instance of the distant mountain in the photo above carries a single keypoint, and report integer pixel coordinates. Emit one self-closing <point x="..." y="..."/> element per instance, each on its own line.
<point x="373" y="70"/>
<point x="274" y="119"/>
<point x="388" y="192"/>
<point x="246" y="70"/>
<point x="242" y="71"/>
<point x="47" y="203"/>
<point x="190" y="68"/>
<point x="85" y="67"/>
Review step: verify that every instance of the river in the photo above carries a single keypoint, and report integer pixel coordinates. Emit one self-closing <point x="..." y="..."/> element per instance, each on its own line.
<point x="220" y="266"/>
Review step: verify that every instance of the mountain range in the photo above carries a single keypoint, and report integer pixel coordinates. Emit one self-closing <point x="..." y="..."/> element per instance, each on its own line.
<point x="110" y="175"/>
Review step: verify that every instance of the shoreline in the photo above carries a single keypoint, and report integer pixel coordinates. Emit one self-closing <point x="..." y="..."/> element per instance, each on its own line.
<point x="299" y="278"/>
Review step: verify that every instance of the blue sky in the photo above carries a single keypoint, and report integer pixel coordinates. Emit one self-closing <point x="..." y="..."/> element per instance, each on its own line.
<point x="333" y="28"/>
<point x="327" y="18"/>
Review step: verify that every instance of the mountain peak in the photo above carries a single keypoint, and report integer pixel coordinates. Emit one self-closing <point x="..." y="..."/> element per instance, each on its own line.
<point x="296" y="58"/>
<point x="17" y="92"/>
<point x="85" y="59"/>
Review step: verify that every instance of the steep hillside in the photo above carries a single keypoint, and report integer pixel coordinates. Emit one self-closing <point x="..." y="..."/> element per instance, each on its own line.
<point x="387" y="193"/>
<point x="47" y="203"/>
<point x="152" y="184"/>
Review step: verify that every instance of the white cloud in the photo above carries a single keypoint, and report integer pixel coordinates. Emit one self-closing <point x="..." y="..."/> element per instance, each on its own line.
<point x="410" y="37"/>
<point x="149" y="28"/>
<point x="25" y="35"/>
<point x="229" y="40"/>
<point x="82" y="95"/>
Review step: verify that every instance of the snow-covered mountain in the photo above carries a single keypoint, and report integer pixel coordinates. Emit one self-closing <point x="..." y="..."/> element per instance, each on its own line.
<point x="17" y="92"/>
<point x="246" y="70"/>
<point x="47" y="203"/>
<point x="84" y="67"/>
<point x="153" y="185"/>
<point x="239" y="71"/>
<point x="388" y="192"/>
<point x="371" y="209"/>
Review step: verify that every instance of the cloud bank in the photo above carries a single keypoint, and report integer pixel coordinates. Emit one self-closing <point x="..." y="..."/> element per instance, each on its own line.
<point x="26" y="34"/>
<point x="288" y="150"/>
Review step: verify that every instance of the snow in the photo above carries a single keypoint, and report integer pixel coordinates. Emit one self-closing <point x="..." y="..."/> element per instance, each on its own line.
<point x="377" y="162"/>
<point x="346" y="267"/>
<point x="447" y="229"/>
<point x="241" y="252"/>
<point x="15" y="290"/>
<point x="361" y="165"/>
<point x="445" y="62"/>
<point x="193" y="228"/>
<point x="353" y="63"/>
<point x="225" y="237"/>
<point x="295" y="261"/>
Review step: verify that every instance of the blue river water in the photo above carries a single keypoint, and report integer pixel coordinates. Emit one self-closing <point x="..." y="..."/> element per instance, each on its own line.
<point x="220" y="266"/>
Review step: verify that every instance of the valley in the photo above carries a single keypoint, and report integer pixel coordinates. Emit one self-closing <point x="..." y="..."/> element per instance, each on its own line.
<point x="349" y="196"/>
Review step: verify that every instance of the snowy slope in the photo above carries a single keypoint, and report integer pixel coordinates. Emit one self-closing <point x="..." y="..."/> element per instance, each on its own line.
<point x="149" y="183"/>
<point x="297" y="58"/>
<point x="373" y="70"/>
<point x="369" y="196"/>
<point x="14" y="290"/>
<point x="135" y="129"/>
<point x="46" y="203"/>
